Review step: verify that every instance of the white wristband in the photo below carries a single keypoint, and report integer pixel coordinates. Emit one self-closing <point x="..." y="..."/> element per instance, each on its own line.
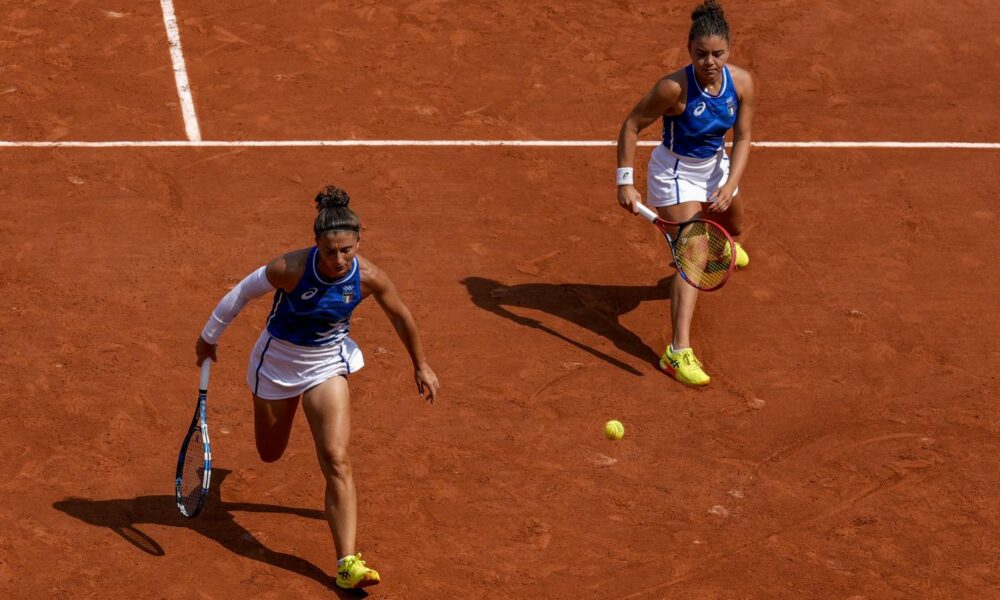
<point x="624" y="176"/>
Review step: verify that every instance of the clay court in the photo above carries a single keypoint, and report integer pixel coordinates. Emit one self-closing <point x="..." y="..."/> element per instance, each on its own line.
<point x="846" y="448"/>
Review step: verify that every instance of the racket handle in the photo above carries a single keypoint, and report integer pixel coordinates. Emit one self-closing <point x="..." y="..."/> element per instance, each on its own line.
<point x="647" y="212"/>
<point x="205" y="368"/>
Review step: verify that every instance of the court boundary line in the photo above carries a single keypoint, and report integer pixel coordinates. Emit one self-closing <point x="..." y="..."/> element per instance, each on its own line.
<point x="180" y="72"/>
<point x="199" y="143"/>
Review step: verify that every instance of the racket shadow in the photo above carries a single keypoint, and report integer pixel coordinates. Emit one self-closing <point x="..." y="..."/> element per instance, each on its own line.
<point x="217" y="522"/>
<point x="595" y="307"/>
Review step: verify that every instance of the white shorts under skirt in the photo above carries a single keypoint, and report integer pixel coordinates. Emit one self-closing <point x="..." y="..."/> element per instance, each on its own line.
<point x="672" y="179"/>
<point x="280" y="369"/>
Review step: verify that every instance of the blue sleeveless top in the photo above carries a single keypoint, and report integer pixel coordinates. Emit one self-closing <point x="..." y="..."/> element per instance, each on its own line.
<point x="316" y="312"/>
<point x="700" y="131"/>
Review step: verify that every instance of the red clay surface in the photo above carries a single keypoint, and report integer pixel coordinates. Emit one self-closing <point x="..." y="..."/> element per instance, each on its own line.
<point x="86" y="70"/>
<point x="846" y="448"/>
<point x="838" y="69"/>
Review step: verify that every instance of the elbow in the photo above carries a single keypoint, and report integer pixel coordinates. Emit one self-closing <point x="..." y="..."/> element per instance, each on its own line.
<point x="629" y="127"/>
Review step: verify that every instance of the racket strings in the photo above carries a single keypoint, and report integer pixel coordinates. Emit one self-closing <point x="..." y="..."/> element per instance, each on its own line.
<point x="704" y="253"/>
<point x="193" y="473"/>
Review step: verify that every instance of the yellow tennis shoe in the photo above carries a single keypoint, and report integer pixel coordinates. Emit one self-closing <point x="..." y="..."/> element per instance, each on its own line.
<point x="354" y="575"/>
<point x="742" y="258"/>
<point x="683" y="366"/>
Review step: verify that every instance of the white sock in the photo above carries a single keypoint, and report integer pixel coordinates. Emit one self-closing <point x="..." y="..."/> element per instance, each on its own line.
<point x="340" y="562"/>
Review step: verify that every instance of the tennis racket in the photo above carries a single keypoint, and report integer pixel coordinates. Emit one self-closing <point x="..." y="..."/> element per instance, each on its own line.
<point x="703" y="251"/>
<point x="194" y="463"/>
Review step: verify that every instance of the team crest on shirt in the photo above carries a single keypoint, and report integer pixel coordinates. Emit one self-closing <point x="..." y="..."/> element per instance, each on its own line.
<point x="731" y="105"/>
<point x="348" y="293"/>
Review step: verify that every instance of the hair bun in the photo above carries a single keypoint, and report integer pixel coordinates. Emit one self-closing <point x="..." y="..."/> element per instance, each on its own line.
<point x="332" y="197"/>
<point x="708" y="8"/>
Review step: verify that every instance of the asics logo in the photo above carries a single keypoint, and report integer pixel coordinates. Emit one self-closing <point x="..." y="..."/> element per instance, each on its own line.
<point x="699" y="109"/>
<point x="309" y="293"/>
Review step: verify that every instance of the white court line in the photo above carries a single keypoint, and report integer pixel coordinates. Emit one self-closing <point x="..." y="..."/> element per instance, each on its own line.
<point x="180" y="71"/>
<point x="197" y="143"/>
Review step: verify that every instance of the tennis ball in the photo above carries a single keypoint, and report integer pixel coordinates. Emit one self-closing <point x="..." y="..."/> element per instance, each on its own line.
<point x="614" y="430"/>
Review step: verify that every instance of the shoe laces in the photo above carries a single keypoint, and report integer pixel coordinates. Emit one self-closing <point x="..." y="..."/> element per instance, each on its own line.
<point x="690" y="358"/>
<point x="351" y="562"/>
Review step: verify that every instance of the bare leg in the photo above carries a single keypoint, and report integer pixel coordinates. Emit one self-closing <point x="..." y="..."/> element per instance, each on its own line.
<point x="328" y="410"/>
<point x="272" y="421"/>
<point x="683" y="296"/>
<point x="732" y="219"/>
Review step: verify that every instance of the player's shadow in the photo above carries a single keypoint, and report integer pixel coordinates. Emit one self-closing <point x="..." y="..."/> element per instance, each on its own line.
<point x="217" y="522"/>
<point x="594" y="307"/>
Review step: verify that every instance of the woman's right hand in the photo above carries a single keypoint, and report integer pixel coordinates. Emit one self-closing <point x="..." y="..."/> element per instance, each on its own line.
<point x="205" y="350"/>
<point x="629" y="198"/>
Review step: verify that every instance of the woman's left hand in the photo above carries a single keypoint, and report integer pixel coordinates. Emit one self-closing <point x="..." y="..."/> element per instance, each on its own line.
<point x="427" y="382"/>
<point x="722" y="198"/>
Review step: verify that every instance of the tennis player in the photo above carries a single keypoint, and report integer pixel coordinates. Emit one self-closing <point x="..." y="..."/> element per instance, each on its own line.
<point x="689" y="174"/>
<point x="304" y="354"/>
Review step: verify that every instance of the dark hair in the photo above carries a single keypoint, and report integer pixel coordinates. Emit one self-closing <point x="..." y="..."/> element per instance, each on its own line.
<point x="707" y="20"/>
<point x="333" y="212"/>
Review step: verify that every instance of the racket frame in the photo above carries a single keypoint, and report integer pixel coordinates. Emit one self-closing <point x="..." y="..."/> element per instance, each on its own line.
<point x="662" y="224"/>
<point x="198" y="423"/>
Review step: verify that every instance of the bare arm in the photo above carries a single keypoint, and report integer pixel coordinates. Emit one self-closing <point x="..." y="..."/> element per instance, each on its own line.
<point x="375" y="281"/>
<point x="741" y="131"/>
<point x="283" y="272"/>
<point x="658" y="101"/>
<point x="723" y="196"/>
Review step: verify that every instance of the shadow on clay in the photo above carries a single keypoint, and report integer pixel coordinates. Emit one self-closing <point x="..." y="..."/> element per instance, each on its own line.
<point x="217" y="522"/>
<point x="594" y="307"/>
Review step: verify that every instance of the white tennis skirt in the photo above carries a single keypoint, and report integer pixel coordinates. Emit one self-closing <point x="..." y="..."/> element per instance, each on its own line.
<point x="672" y="178"/>
<point x="280" y="369"/>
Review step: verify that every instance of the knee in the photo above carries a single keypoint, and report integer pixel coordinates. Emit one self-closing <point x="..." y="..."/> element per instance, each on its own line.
<point x="270" y="450"/>
<point x="336" y="461"/>
<point x="734" y="222"/>
<point x="269" y="454"/>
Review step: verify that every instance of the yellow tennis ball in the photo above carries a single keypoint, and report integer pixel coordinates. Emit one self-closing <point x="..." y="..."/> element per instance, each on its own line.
<point x="614" y="430"/>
